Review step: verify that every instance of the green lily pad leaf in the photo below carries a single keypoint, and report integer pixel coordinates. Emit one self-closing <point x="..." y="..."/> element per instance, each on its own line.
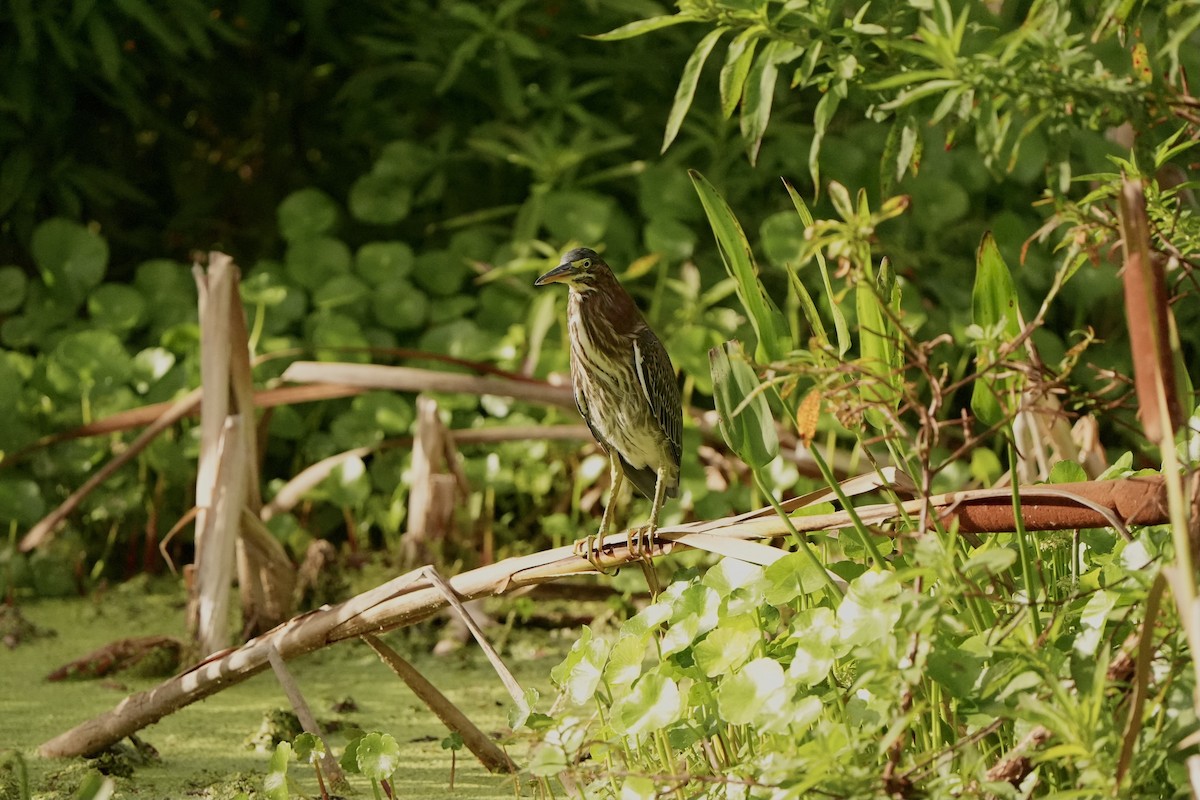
<point x="670" y="238"/>
<point x="341" y="290"/>
<point x="349" y="759"/>
<point x="13" y="285"/>
<point x="648" y="619"/>
<point x="957" y="670"/>
<point x="150" y="365"/>
<point x="378" y="756"/>
<point x="441" y="272"/>
<point x="790" y="577"/>
<point x="117" y="307"/>
<point x="993" y="561"/>
<point x="868" y="613"/>
<point x="305" y="214"/>
<point x="21" y="501"/>
<point x="404" y="160"/>
<point x="725" y="648"/>
<point x="381" y="262"/>
<point x="348" y="484"/>
<point x="815" y="632"/>
<point x="782" y="236"/>
<point x="461" y="339"/>
<point x="811" y="662"/>
<point x="448" y="309"/>
<point x="652" y="704"/>
<point x="391" y="413"/>
<point x="308" y="747"/>
<point x="312" y="262"/>
<point x="400" y="306"/>
<point x="352" y="429"/>
<point x="638" y="788"/>
<point x="548" y="760"/>
<point x="380" y="199"/>
<point x="72" y="258"/>
<point x="263" y="288"/>
<point x="88" y="359"/>
<point x="729" y="574"/>
<point x="1067" y="472"/>
<point x="625" y="661"/>
<point x="330" y="333"/>
<point x="742" y="696"/>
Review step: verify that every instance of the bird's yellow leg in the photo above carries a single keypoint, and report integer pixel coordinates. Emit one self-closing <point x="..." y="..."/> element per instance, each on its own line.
<point x="589" y="546"/>
<point x="641" y="539"/>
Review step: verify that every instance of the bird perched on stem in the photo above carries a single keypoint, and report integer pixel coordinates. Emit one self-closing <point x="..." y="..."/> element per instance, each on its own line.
<point x="625" y="389"/>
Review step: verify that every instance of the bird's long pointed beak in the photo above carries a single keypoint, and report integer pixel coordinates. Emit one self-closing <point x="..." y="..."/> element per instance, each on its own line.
<point x="557" y="275"/>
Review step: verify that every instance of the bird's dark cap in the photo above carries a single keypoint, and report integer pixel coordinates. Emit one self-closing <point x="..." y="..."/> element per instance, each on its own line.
<point x="573" y="263"/>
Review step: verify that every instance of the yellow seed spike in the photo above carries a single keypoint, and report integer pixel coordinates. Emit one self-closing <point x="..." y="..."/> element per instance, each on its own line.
<point x="807" y="415"/>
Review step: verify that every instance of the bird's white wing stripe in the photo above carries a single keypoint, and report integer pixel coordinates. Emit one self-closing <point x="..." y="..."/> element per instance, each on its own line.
<point x="639" y="365"/>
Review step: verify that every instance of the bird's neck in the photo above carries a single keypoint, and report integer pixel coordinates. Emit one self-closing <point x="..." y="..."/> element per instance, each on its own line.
<point x="607" y="301"/>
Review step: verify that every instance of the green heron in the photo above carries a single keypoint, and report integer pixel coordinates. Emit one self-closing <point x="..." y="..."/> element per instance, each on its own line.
<point x="625" y="389"/>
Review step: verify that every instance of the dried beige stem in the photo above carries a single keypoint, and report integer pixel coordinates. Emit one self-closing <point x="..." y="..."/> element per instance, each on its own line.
<point x="487" y="751"/>
<point x="410" y="598"/>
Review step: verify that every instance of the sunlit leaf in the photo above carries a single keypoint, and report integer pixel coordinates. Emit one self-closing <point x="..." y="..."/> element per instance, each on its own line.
<point x="652" y="704"/>
<point x="743" y="694"/>
<point x="378" y="755"/>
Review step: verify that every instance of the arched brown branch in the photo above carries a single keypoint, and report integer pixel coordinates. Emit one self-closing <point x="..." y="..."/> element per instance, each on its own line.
<point x="411" y="598"/>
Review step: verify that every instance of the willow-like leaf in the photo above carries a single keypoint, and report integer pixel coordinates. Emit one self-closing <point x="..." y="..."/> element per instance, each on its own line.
<point x="765" y="318"/>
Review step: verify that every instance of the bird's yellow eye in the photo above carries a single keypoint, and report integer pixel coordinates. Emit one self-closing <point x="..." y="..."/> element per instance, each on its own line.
<point x="585" y="263"/>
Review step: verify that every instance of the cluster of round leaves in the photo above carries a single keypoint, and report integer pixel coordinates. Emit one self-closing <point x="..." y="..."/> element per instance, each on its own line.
<point x="721" y="657"/>
<point x="766" y="676"/>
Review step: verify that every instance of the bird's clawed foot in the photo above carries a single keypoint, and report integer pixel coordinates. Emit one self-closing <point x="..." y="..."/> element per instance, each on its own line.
<point x="590" y="547"/>
<point x="641" y="541"/>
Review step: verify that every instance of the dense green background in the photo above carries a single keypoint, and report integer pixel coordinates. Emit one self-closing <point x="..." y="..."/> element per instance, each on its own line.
<point x="395" y="173"/>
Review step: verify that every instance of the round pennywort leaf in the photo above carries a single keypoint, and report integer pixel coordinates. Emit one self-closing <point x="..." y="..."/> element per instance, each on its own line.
<point x="306" y="213"/>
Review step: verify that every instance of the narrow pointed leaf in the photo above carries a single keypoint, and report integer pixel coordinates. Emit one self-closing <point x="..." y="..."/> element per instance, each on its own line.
<point x="993" y="304"/>
<point x="839" y="319"/>
<point x="879" y="344"/>
<point x="642" y="26"/>
<point x="687" y="85"/>
<point x="738" y="59"/>
<point x="768" y="323"/>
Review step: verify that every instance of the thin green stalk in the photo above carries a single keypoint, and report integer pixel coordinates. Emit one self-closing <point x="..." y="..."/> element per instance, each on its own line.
<point x="664" y="753"/>
<point x="801" y="542"/>
<point x="1023" y="544"/>
<point x="860" y="529"/>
